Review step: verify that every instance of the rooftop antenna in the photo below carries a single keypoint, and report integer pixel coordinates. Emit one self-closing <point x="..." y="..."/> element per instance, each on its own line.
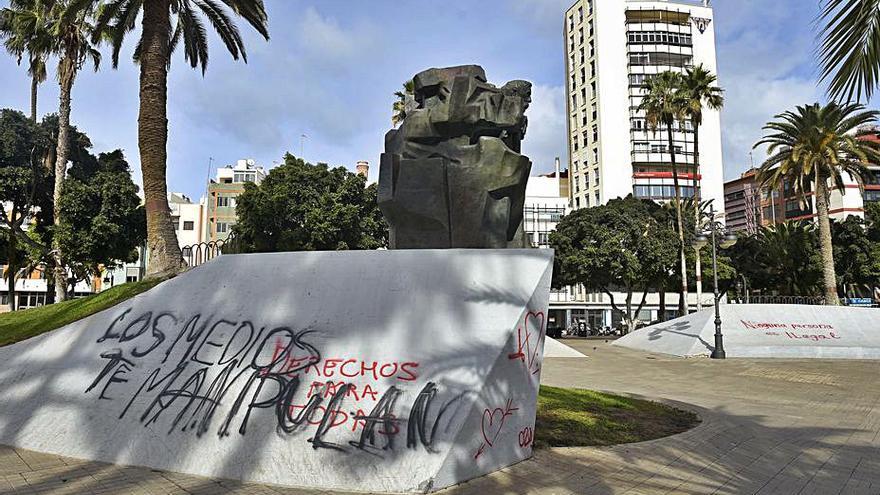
<point x="208" y="182"/>
<point x="302" y="139"/>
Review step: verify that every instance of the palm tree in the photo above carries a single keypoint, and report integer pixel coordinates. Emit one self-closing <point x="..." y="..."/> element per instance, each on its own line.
<point x="700" y="92"/>
<point x="25" y="31"/>
<point x="810" y="146"/>
<point x="399" y="106"/>
<point x="165" y="24"/>
<point x="71" y="27"/>
<point x="664" y="105"/>
<point x="850" y="51"/>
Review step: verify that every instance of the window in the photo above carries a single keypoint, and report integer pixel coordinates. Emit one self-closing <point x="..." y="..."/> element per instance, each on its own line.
<point x="188" y="225"/>
<point x="872" y="195"/>
<point x="591" y="27"/>
<point x="596" y="175"/>
<point x="587" y="177"/>
<point x="640" y="147"/>
<point x="587" y="198"/>
<point x="584" y="95"/>
<point x="176" y="222"/>
<point x="574" y="166"/>
<point x="592" y="48"/>
<point x="577" y="202"/>
<point x="222" y="227"/>
<point x="593" y="68"/>
<point x="595" y="155"/>
<point x="593" y="89"/>
<point x="598" y="202"/>
<point x="638" y="124"/>
<point x="222" y="201"/>
<point x="580" y="14"/>
<point x="574" y="100"/>
<point x="595" y="111"/>
<point x="131" y="278"/>
<point x="240" y="177"/>
<point x="595" y="133"/>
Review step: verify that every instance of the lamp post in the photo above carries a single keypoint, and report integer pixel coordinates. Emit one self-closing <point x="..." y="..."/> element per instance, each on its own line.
<point x="700" y="240"/>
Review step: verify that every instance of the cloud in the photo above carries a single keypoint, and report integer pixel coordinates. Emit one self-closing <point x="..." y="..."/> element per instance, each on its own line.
<point x="545" y="136"/>
<point x="766" y="66"/>
<point x="546" y="16"/>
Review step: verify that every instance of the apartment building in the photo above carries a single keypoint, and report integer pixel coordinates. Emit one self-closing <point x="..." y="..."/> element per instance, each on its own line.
<point x="611" y="48"/>
<point x="223" y="192"/>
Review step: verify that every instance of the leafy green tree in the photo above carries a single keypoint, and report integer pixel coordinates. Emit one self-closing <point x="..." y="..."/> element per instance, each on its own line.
<point x="813" y="145"/>
<point x="305" y="207"/>
<point x="856" y="257"/>
<point x="104" y="221"/>
<point x="664" y="104"/>
<point x="781" y="260"/>
<point x="22" y="183"/>
<point x="620" y="246"/>
<point x="25" y="31"/>
<point x="166" y="25"/>
<point x="850" y="51"/>
<point x="399" y="107"/>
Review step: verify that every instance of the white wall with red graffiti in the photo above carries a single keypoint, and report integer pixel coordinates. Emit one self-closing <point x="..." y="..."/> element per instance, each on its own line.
<point x="768" y="331"/>
<point x="394" y="371"/>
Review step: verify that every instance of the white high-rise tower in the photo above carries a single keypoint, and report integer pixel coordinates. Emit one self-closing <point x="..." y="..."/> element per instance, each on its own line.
<point x="611" y="47"/>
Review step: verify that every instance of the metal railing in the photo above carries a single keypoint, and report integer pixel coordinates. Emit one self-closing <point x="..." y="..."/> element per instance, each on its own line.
<point x="801" y="300"/>
<point x="203" y="252"/>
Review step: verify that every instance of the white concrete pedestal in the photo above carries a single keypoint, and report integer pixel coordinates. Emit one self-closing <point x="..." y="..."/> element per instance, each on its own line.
<point x="383" y="371"/>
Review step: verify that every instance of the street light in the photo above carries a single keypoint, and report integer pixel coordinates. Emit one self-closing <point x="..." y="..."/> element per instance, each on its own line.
<point x="727" y="241"/>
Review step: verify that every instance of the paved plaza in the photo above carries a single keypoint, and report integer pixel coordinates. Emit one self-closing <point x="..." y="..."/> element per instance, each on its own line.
<point x="769" y="427"/>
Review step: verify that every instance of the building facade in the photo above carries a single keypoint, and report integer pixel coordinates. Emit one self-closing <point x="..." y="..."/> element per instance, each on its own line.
<point x="611" y="48"/>
<point x="222" y="196"/>
<point x="750" y="206"/>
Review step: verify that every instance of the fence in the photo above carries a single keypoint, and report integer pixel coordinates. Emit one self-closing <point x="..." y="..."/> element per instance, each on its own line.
<point x="803" y="300"/>
<point x="203" y="252"/>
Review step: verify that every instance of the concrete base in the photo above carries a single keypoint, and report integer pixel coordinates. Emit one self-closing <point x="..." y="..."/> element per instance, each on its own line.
<point x="395" y="371"/>
<point x="767" y="331"/>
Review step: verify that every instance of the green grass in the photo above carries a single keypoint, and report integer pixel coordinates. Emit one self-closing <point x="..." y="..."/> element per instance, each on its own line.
<point x="575" y="418"/>
<point x="20" y="325"/>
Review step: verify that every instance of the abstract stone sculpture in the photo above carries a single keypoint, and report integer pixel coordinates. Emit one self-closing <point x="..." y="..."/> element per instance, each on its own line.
<point x="452" y="175"/>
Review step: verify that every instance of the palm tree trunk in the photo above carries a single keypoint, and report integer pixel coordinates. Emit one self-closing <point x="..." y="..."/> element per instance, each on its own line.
<point x="66" y="76"/>
<point x="11" y="269"/>
<point x="164" y="252"/>
<point x="683" y="292"/>
<point x="662" y="308"/>
<point x="698" y="263"/>
<point x="35" y="86"/>
<point x="825" y="247"/>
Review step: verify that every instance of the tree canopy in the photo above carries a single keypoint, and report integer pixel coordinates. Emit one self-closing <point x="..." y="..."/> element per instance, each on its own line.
<point x="306" y="207"/>
<point x="620" y="246"/>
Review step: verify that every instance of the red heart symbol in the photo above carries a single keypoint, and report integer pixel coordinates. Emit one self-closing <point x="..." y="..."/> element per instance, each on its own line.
<point x="484" y="427"/>
<point x="537" y="331"/>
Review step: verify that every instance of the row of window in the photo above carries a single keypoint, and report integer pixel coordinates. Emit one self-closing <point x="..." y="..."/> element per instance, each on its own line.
<point x="580" y="15"/>
<point x="595" y="160"/>
<point x="662" y="191"/>
<point x="640" y="124"/>
<point x="222" y="227"/>
<point x="661" y="58"/>
<point x="667" y="38"/>
<point x="585" y="137"/>
<point x="644" y="147"/>
<point x="586" y="203"/>
<point x="577" y="183"/>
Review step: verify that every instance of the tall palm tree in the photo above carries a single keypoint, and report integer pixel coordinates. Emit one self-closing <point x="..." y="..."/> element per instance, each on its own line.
<point x="850" y="51"/>
<point x="811" y="146"/>
<point x="164" y="25"/>
<point x="399" y="107"/>
<point x="664" y="105"/>
<point x="700" y="92"/>
<point x="25" y="31"/>
<point x="72" y="29"/>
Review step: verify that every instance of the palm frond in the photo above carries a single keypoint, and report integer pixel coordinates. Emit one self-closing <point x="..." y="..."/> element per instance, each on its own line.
<point x="850" y="48"/>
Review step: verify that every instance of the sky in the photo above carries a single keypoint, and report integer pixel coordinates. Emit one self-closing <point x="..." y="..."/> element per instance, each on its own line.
<point x="331" y="67"/>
